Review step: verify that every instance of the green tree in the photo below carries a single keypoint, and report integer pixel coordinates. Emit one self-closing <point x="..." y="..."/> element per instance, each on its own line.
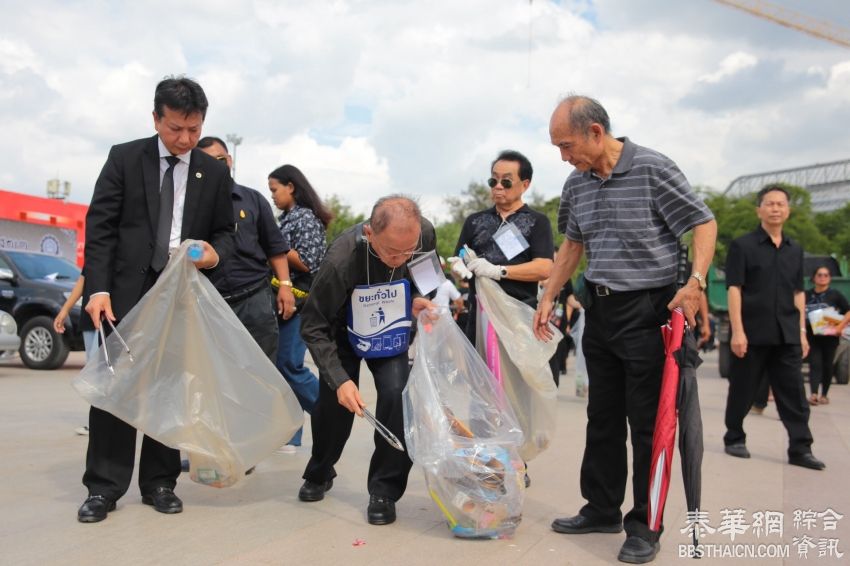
<point x="343" y="219"/>
<point x="447" y="235"/>
<point x="737" y="216"/>
<point x="835" y="226"/>
<point x="475" y="197"/>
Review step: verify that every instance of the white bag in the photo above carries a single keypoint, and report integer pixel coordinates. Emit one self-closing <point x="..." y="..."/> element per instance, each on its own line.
<point x="461" y="430"/>
<point x="519" y="362"/>
<point x="197" y="380"/>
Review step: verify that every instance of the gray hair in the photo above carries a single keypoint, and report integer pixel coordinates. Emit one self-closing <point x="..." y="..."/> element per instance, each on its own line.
<point x="392" y="208"/>
<point x="585" y="111"/>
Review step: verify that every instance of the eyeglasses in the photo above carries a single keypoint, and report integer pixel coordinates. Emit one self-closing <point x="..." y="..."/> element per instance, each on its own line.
<point x="222" y="158"/>
<point x="822" y="274"/>
<point x="493" y="182"/>
<point x="393" y="253"/>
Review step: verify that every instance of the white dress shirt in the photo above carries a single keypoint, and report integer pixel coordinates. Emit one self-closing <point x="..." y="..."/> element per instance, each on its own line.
<point x="181" y="176"/>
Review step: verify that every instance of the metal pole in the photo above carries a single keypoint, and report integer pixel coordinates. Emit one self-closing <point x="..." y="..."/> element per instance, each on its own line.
<point x="235" y="140"/>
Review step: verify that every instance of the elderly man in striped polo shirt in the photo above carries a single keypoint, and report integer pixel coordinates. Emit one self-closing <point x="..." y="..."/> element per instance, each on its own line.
<point x="625" y="206"/>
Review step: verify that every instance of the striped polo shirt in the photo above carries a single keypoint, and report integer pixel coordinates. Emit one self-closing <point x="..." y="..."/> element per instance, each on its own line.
<point x="629" y="223"/>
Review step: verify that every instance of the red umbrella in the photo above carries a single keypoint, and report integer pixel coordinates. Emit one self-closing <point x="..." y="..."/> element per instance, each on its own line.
<point x="665" y="421"/>
<point x="678" y="399"/>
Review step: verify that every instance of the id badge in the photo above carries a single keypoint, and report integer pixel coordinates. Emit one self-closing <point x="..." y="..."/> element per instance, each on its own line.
<point x="426" y="272"/>
<point x="510" y="240"/>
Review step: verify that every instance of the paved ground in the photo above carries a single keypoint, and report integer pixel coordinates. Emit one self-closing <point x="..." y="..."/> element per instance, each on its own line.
<point x="262" y="522"/>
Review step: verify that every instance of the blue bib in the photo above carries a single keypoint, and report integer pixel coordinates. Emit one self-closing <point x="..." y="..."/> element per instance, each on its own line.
<point x="379" y="319"/>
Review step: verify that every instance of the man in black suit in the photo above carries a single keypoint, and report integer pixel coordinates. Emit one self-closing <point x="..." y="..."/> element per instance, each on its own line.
<point x="151" y="194"/>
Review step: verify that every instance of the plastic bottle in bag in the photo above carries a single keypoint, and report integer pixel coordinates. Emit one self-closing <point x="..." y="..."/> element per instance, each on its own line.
<point x="208" y="471"/>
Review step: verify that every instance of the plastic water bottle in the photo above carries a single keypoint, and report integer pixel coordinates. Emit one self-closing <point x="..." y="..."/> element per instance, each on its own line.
<point x="195" y="251"/>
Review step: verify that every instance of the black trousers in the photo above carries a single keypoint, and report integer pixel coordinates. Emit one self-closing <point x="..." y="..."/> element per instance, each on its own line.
<point x="624" y="351"/>
<point x="821" y="357"/>
<point x="331" y="425"/>
<point x="258" y="312"/>
<point x="783" y="366"/>
<point x="762" y="392"/>
<point x="112" y="451"/>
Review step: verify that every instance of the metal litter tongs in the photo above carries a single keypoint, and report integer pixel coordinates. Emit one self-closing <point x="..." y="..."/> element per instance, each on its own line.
<point x="382" y="430"/>
<point x="103" y="343"/>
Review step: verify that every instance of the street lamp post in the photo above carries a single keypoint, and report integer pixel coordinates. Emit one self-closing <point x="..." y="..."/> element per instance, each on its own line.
<point x="235" y="140"/>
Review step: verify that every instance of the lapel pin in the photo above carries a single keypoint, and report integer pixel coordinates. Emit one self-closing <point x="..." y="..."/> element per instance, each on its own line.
<point x="198" y="175"/>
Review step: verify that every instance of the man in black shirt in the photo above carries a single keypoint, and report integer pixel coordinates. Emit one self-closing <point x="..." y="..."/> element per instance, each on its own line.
<point x="364" y="275"/>
<point x="243" y="280"/>
<point x="764" y="278"/>
<point x="513" y="242"/>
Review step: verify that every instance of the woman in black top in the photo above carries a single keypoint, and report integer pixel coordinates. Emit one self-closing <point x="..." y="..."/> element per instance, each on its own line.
<point x="822" y="346"/>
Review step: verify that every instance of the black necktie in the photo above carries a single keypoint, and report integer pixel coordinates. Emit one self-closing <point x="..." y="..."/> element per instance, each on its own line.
<point x="166" y="211"/>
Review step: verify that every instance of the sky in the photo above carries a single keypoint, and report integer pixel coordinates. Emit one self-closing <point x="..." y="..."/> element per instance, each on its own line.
<point x="370" y="98"/>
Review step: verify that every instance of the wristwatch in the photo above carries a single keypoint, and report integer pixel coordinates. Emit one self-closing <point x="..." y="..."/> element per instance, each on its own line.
<point x="286" y="283"/>
<point x="700" y="279"/>
<point x="503" y="271"/>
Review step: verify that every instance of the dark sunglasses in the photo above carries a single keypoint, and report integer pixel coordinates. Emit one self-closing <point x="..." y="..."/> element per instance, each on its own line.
<point x="506" y="183"/>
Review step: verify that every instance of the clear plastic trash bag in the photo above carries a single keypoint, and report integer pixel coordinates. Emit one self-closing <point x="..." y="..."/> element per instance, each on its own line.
<point x="463" y="433"/>
<point x="577" y="333"/>
<point x="519" y="362"/>
<point x="195" y="380"/>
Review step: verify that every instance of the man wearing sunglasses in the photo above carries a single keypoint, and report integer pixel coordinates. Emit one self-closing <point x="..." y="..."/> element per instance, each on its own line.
<point x="512" y="242"/>
<point x="243" y="280"/>
<point x="362" y="307"/>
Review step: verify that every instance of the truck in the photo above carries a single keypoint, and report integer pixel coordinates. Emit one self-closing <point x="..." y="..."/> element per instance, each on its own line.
<point x="717" y="304"/>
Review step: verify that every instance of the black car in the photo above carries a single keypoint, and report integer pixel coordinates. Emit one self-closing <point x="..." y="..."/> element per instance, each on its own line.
<point x="33" y="288"/>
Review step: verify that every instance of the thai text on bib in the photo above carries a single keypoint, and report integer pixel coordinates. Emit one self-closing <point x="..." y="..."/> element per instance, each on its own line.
<point x="379" y="319"/>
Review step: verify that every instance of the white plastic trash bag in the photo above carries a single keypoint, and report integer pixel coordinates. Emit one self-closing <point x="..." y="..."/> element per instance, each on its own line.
<point x="519" y="362"/>
<point x="197" y="380"/>
<point x="463" y="434"/>
<point x="577" y="333"/>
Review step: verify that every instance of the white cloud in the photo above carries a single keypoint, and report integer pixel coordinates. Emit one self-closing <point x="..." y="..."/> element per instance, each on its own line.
<point x="353" y="170"/>
<point x="375" y="97"/>
<point x="730" y="65"/>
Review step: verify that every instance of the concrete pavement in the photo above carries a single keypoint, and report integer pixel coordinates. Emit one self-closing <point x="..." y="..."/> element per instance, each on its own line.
<point x="261" y="521"/>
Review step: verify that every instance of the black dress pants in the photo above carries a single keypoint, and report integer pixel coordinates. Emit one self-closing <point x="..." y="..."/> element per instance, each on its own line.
<point x="821" y="357"/>
<point x="112" y="451"/>
<point x="624" y="351"/>
<point x="258" y="312"/>
<point x="783" y="366"/>
<point x="331" y="425"/>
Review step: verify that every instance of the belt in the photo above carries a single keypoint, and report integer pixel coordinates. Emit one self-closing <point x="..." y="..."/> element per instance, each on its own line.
<point x="603" y="291"/>
<point x="237" y="296"/>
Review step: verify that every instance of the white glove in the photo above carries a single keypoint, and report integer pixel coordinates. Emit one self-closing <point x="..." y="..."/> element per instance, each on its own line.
<point x="458" y="267"/>
<point x="483" y="268"/>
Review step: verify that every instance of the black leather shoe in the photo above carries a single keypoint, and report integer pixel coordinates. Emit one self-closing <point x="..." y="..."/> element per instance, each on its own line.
<point x="381" y="510"/>
<point x="163" y="500"/>
<point x="806" y="461"/>
<point x="94" y="509"/>
<point x="738" y="450"/>
<point x="311" y="491"/>
<point x="638" y="551"/>
<point x="579" y="525"/>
